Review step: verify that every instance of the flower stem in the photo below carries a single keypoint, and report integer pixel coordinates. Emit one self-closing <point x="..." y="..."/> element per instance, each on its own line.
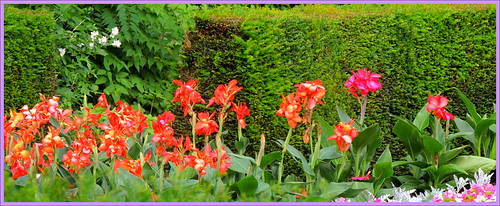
<point x="239" y="139"/>
<point x="280" y="171"/>
<point x="161" y="175"/>
<point x="437" y="128"/>
<point x="447" y="132"/>
<point x="193" y="131"/>
<point x="341" y="169"/>
<point x="363" y="110"/>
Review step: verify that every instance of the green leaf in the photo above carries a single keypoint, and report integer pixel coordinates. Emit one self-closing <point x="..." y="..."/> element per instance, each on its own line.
<point x="101" y="80"/>
<point x="433" y="146"/>
<point x="335" y="189"/>
<point x="382" y="170"/>
<point x="326" y="132"/>
<point x="445" y="157"/>
<point x="327" y="171"/>
<point x="329" y="153"/>
<point x="269" y="158"/>
<point x="464" y="127"/>
<point x="102" y="52"/>
<point x="365" y="137"/>
<point x="410" y="136"/>
<point x="54" y="122"/>
<point x="470" y="106"/>
<point x="422" y="119"/>
<point x="345" y="118"/>
<point x="21" y="181"/>
<point x="296" y="154"/>
<point x="65" y="174"/>
<point x="134" y="151"/>
<point x="239" y="164"/>
<point x="385" y="156"/>
<point x="416" y="163"/>
<point x="444" y="171"/>
<point x="246" y="187"/>
<point x="482" y="127"/>
<point x="472" y="163"/>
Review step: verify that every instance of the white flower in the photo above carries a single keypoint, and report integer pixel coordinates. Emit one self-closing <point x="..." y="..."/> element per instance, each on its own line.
<point x="94" y="35"/>
<point x="114" y="32"/>
<point x="80" y="44"/>
<point x="116" y="43"/>
<point x="103" y="40"/>
<point x="91" y="45"/>
<point x="62" y="51"/>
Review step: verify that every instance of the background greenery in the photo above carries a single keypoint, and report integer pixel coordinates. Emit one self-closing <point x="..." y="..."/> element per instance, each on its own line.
<point x="29" y="66"/>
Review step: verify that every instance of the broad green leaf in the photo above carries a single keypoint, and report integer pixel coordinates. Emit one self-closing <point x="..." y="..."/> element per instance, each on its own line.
<point x="410" y="136"/>
<point x="134" y="151"/>
<point x="335" y="189"/>
<point x="54" y="122"/>
<point x="297" y="154"/>
<point x="65" y="174"/>
<point x="445" y="157"/>
<point x="345" y="118"/>
<point x="21" y="181"/>
<point x="482" y="127"/>
<point x="416" y="163"/>
<point x="327" y="171"/>
<point x="464" y="127"/>
<point x="246" y="187"/>
<point x="326" y="132"/>
<point x="101" y="80"/>
<point x="470" y="106"/>
<point x="447" y="170"/>
<point x="459" y="134"/>
<point x="422" y="119"/>
<point x="472" y="163"/>
<point x="239" y="164"/>
<point x="270" y="158"/>
<point x="365" y="138"/>
<point x="432" y="145"/>
<point x="329" y="153"/>
<point x="382" y="170"/>
<point x="385" y="156"/>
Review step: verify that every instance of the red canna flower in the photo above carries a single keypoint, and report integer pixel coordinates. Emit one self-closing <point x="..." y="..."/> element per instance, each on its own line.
<point x="103" y="103"/>
<point x="436" y="105"/>
<point x="187" y="95"/>
<point x="344" y="135"/>
<point x="290" y="108"/>
<point x="241" y="111"/>
<point x="366" y="177"/>
<point x="364" y="80"/>
<point x="224" y="94"/>
<point x="205" y="124"/>
<point x="19" y="160"/>
<point x="303" y="193"/>
<point x="310" y="93"/>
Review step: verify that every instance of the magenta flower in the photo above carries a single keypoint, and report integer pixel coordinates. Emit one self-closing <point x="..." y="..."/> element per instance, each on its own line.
<point x="366" y="177"/>
<point x="364" y="80"/>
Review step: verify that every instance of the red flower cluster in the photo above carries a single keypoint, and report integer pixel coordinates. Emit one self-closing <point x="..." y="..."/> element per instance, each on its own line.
<point x="436" y="106"/>
<point x="224" y="95"/>
<point x="19" y="160"/>
<point x="205" y="124"/>
<point x="365" y="81"/>
<point x="187" y="95"/>
<point x="80" y="155"/>
<point x="310" y="93"/>
<point x="133" y="166"/>
<point x="290" y="108"/>
<point x="241" y="111"/>
<point x="306" y="96"/>
<point x="163" y="132"/>
<point x="200" y="160"/>
<point x="344" y="134"/>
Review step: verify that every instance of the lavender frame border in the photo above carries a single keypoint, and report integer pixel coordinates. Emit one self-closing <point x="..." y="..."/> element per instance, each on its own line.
<point x="2" y="3"/>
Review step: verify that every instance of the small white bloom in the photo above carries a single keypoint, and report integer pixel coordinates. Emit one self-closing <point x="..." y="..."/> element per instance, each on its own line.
<point x="62" y="51"/>
<point x="114" y="32"/>
<point x="94" y="35"/>
<point x="103" y="40"/>
<point x="91" y="45"/>
<point x="116" y="43"/>
<point x="80" y="44"/>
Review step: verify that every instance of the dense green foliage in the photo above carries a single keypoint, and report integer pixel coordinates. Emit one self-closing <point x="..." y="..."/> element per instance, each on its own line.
<point x="418" y="50"/>
<point x="30" y="63"/>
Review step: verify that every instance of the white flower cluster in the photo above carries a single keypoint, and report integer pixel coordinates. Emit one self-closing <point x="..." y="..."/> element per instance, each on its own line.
<point x="102" y="40"/>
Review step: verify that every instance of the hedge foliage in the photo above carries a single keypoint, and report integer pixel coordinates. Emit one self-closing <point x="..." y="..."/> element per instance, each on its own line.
<point x="30" y="64"/>
<point x="418" y="50"/>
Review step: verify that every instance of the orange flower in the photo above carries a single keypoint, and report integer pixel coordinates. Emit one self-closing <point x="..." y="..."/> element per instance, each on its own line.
<point x="303" y="193"/>
<point x="310" y="93"/>
<point x="290" y="108"/>
<point x="241" y="111"/>
<point x="205" y="124"/>
<point x="344" y="134"/>
<point x="224" y="94"/>
<point x="187" y="95"/>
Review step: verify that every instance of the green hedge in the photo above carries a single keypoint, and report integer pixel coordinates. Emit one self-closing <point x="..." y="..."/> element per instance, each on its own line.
<point x="30" y="62"/>
<point x="418" y="49"/>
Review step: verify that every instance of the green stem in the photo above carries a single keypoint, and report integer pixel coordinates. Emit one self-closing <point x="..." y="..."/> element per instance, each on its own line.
<point x="447" y="132"/>
<point x="363" y="110"/>
<point x="341" y="169"/>
<point x="192" y="130"/>
<point x="239" y="139"/>
<point x="280" y="170"/>
<point x="161" y="176"/>
<point x="437" y="128"/>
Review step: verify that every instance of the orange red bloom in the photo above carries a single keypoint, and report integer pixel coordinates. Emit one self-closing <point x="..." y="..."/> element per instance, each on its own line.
<point x="310" y="92"/>
<point x="224" y="94"/>
<point x="436" y="105"/>
<point x="187" y="95"/>
<point x="344" y="135"/>
<point x="241" y="111"/>
<point x="205" y="124"/>
<point x="290" y="108"/>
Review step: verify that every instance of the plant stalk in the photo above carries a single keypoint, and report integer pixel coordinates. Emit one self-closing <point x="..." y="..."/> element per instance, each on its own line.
<point x="280" y="170"/>
<point x="363" y="110"/>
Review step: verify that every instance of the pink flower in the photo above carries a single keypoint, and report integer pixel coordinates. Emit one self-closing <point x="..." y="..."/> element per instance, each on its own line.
<point x="366" y="177"/>
<point x="364" y="80"/>
<point x="436" y="106"/>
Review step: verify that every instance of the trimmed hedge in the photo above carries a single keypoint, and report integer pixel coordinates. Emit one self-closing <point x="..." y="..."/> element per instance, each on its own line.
<point x="418" y="49"/>
<point x="30" y="62"/>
